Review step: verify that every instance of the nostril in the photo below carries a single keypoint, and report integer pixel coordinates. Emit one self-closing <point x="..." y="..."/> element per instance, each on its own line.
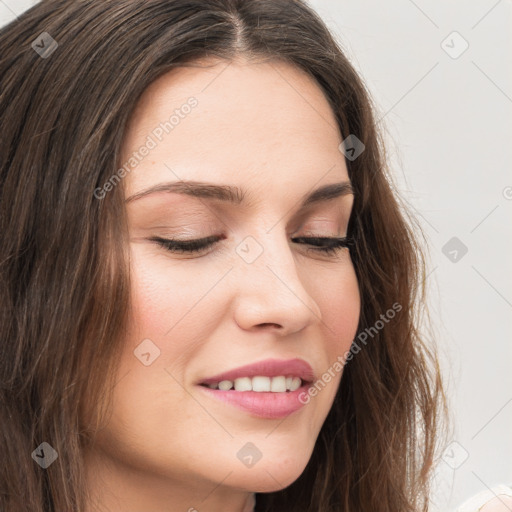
<point x="271" y="324"/>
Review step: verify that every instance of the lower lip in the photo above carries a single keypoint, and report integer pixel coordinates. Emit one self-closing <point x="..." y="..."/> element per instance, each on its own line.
<point x="265" y="404"/>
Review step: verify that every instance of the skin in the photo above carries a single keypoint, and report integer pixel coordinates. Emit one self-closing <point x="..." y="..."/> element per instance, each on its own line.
<point x="498" y="504"/>
<point x="167" y="446"/>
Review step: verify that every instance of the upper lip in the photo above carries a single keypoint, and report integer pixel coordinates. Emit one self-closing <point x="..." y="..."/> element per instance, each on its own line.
<point x="267" y="368"/>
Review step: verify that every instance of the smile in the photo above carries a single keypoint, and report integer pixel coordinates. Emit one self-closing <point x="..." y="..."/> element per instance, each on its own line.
<point x="259" y="384"/>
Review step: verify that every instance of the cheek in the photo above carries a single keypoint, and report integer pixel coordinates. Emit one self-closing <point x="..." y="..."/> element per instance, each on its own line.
<point x="173" y="305"/>
<point x="337" y="295"/>
<point x="161" y="294"/>
<point x="162" y="299"/>
<point x="162" y="312"/>
<point x="152" y="296"/>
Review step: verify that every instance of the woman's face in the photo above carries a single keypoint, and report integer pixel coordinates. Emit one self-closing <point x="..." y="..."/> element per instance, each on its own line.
<point x="254" y="295"/>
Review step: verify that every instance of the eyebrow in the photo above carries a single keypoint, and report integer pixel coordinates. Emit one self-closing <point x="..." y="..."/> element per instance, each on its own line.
<point x="235" y="195"/>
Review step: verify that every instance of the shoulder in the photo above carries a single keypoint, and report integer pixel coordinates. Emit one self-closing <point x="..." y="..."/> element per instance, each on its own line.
<point x="498" y="504"/>
<point x="497" y="499"/>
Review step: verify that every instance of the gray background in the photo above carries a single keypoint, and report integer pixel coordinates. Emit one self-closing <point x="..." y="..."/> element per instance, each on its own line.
<point x="448" y="123"/>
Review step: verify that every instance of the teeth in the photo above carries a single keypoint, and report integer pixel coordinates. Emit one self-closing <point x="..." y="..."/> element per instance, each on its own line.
<point x="295" y="384"/>
<point x="243" y="384"/>
<point x="225" y="385"/>
<point x="279" y="384"/>
<point x="261" y="383"/>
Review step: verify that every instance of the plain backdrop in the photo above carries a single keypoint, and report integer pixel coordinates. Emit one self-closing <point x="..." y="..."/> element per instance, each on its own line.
<point x="440" y="75"/>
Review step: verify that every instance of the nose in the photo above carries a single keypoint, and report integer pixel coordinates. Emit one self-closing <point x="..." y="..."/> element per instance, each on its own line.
<point x="271" y="292"/>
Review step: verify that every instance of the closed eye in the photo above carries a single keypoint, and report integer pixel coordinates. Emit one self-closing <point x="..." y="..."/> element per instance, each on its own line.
<point x="324" y="245"/>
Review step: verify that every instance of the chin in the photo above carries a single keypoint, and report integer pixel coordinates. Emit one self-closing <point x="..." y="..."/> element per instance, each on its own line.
<point x="270" y="475"/>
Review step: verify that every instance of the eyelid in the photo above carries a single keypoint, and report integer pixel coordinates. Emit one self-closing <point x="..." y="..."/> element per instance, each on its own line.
<point x="207" y="245"/>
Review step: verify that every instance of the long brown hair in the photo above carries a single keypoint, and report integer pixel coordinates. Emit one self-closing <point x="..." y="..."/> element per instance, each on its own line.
<point x="64" y="281"/>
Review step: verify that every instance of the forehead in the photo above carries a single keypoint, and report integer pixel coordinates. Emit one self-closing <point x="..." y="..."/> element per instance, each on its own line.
<point x="250" y="124"/>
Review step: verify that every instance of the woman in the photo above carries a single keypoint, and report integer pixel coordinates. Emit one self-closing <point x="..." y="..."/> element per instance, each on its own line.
<point x="210" y="290"/>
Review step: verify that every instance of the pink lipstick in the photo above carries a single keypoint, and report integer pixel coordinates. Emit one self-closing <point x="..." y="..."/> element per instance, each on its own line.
<point x="267" y="389"/>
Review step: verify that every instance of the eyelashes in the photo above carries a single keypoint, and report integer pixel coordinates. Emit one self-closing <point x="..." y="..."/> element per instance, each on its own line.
<point x="324" y="245"/>
<point x="332" y="245"/>
<point x="186" y="246"/>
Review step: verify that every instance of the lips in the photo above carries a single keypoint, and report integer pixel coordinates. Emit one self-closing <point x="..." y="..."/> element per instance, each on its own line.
<point x="267" y="368"/>
<point x="262" y="403"/>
